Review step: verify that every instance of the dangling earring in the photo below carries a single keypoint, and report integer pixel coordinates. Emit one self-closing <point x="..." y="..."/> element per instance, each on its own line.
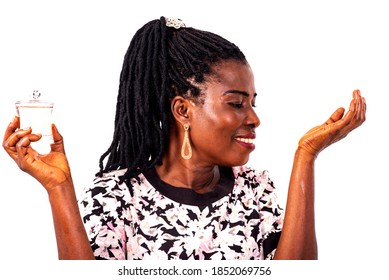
<point x="186" y="144"/>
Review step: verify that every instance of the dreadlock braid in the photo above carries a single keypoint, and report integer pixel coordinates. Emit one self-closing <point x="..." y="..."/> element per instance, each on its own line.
<point x="160" y="63"/>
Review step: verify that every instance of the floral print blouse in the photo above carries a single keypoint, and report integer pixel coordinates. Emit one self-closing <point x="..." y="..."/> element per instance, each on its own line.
<point x="146" y="218"/>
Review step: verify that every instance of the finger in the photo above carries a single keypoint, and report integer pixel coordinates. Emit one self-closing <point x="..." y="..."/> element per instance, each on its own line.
<point x="364" y="106"/>
<point x="348" y="117"/>
<point x="336" y="116"/>
<point x="355" y="116"/>
<point x="23" y="145"/>
<point x="13" y="125"/>
<point x="56" y="135"/>
<point x="58" y="145"/>
<point x="10" y="143"/>
<point x="353" y="106"/>
<point x="360" y="111"/>
<point x="356" y="93"/>
<point x="27" y="139"/>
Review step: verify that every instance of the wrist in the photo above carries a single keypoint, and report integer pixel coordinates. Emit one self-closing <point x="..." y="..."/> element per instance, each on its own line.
<point x="303" y="155"/>
<point x="56" y="180"/>
<point x="60" y="190"/>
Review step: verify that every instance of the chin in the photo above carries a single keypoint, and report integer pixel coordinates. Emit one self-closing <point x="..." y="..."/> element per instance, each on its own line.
<point x="236" y="162"/>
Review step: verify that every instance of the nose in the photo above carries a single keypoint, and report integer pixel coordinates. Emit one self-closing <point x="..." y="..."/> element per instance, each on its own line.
<point x="252" y="118"/>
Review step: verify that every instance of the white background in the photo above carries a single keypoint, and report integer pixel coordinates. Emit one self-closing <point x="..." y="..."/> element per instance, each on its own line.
<point x="307" y="56"/>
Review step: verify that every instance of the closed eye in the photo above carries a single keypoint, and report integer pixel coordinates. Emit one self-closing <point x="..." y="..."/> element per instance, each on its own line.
<point x="240" y="105"/>
<point x="236" y="105"/>
<point x="243" y="94"/>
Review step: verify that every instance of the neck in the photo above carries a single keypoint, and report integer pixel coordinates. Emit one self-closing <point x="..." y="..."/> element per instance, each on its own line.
<point x="192" y="174"/>
<point x="201" y="179"/>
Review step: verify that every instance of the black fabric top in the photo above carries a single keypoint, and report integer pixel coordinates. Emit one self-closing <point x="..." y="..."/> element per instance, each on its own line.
<point x="189" y="196"/>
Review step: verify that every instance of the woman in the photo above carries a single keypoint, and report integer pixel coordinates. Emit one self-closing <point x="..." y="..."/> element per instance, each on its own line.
<point x="173" y="184"/>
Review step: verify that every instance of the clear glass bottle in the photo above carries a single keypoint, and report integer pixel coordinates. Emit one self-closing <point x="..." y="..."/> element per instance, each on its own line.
<point x="37" y="114"/>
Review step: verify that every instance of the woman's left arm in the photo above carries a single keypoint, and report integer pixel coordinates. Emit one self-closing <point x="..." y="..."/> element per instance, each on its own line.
<point x="298" y="238"/>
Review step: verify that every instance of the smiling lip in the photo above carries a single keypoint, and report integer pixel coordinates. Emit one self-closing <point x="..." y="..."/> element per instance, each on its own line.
<point x="246" y="141"/>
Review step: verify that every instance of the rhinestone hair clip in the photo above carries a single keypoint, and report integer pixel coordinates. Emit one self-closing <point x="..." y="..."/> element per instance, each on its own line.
<point x="174" y="22"/>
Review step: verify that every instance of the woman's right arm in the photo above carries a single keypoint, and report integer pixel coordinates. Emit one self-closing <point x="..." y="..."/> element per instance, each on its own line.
<point x="53" y="172"/>
<point x="298" y="237"/>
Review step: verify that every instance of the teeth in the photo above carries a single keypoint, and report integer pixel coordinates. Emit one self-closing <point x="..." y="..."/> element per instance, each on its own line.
<point x="246" y="140"/>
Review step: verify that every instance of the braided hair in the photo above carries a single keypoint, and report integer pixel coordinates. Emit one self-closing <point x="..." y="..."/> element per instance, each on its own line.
<point x="160" y="63"/>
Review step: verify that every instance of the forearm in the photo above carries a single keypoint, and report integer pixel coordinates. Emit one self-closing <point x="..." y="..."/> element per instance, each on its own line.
<point x="298" y="238"/>
<point x="72" y="240"/>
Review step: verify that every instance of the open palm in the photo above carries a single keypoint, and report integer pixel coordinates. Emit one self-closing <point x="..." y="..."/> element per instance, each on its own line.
<point x="336" y="127"/>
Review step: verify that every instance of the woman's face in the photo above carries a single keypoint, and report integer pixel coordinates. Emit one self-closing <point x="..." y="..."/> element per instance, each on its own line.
<point x="222" y="128"/>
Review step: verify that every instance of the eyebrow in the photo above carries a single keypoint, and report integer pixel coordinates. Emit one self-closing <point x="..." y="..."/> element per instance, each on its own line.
<point x="235" y="91"/>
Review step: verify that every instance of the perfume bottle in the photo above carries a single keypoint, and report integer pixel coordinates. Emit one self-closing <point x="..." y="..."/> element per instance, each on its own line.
<point x="37" y="114"/>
